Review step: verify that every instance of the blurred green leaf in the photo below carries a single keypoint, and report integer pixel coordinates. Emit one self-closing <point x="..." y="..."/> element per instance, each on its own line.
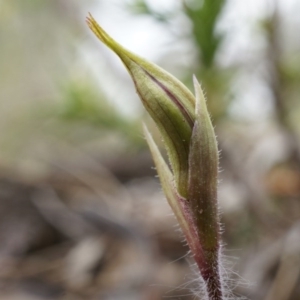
<point x="84" y="103"/>
<point x="204" y="19"/>
<point x="141" y="7"/>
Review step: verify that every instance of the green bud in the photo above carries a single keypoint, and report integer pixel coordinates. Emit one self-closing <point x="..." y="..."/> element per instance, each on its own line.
<point x="170" y="104"/>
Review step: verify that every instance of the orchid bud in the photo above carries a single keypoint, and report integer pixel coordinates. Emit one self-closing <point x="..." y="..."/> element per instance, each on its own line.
<point x="188" y="134"/>
<point x="170" y="104"/>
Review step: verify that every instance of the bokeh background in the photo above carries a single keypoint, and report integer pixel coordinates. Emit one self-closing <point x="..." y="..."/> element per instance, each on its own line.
<point x="82" y="215"/>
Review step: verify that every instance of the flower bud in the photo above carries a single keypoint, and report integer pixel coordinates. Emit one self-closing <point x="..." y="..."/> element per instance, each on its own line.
<point x="170" y="104"/>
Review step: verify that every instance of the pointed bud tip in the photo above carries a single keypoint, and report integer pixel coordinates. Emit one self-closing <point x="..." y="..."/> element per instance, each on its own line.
<point x="101" y="33"/>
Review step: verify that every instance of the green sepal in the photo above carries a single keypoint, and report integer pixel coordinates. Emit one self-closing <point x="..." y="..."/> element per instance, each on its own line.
<point x="167" y="100"/>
